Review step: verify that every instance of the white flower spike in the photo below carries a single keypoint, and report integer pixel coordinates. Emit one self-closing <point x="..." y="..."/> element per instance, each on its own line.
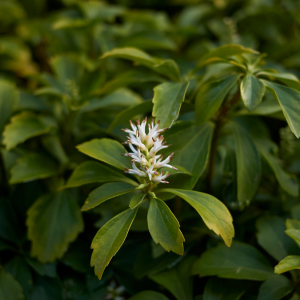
<point x="144" y="149"/>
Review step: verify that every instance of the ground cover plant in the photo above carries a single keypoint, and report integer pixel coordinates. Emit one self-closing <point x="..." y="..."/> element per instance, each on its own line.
<point x="149" y="150"/>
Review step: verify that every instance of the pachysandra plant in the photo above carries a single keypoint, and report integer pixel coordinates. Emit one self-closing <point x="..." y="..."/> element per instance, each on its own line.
<point x="149" y="168"/>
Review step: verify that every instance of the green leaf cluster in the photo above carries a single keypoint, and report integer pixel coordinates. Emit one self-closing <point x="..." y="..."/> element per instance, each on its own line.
<point x="221" y="77"/>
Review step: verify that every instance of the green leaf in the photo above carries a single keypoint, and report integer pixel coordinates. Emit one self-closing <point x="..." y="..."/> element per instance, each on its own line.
<point x="10" y="289"/>
<point x="24" y="126"/>
<point x="149" y="295"/>
<point x="127" y="114"/>
<point x="289" y="263"/>
<point x="294" y="234"/>
<point x="241" y="261"/>
<point x="92" y="171"/>
<point x="128" y="78"/>
<point x="137" y="200"/>
<point x="51" y="238"/>
<point x="164" y="227"/>
<point x="275" y="288"/>
<point x="211" y="96"/>
<point x="191" y="145"/>
<point x="167" y="100"/>
<point x="287" y="182"/>
<point x="271" y="237"/>
<point x="67" y="69"/>
<point x="295" y="297"/>
<point x="293" y="224"/>
<point x="223" y="52"/>
<point x="214" y="213"/>
<point x="149" y="40"/>
<point x="252" y="91"/>
<point x="287" y="78"/>
<point x="53" y="144"/>
<point x="224" y="289"/>
<point x="178" y="280"/>
<point x="48" y="289"/>
<point x="248" y="164"/>
<point x="289" y="100"/>
<point x="166" y="67"/>
<point x="9" y="222"/>
<point x="106" y="150"/>
<point x="109" y="239"/>
<point x="8" y="99"/>
<point x="78" y="256"/>
<point x="19" y="269"/>
<point x="105" y="192"/>
<point x="122" y="97"/>
<point x="42" y="269"/>
<point x="33" y="166"/>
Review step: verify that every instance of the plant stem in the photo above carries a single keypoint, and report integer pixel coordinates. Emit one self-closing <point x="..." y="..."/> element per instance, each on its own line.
<point x="220" y="120"/>
<point x="4" y="181"/>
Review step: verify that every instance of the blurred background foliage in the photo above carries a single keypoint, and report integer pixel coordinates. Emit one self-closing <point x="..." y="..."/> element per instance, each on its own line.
<point x="56" y="93"/>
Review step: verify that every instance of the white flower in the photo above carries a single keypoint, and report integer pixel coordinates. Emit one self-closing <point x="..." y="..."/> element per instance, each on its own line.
<point x="144" y="147"/>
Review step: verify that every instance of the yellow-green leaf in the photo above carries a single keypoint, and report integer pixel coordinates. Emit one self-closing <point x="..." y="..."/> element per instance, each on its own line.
<point x="252" y="91"/>
<point x="214" y="213"/>
<point x="109" y="239"/>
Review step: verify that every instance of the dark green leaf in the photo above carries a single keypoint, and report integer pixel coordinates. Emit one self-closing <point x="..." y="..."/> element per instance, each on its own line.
<point x="9" y="223"/>
<point x="105" y="192"/>
<point x="214" y="213"/>
<point x="47" y="289"/>
<point x="128" y="78"/>
<point x="42" y="269"/>
<point x="33" y="166"/>
<point x="50" y="238"/>
<point x="53" y="144"/>
<point x="149" y="40"/>
<point x="149" y="295"/>
<point x="248" y="165"/>
<point x="289" y="100"/>
<point x="252" y="91"/>
<point x="10" y="289"/>
<point x="241" y="261"/>
<point x="24" y="126"/>
<point x="109" y="239"/>
<point x="19" y="269"/>
<point x="191" y="145"/>
<point x="67" y="69"/>
<point x="167" y="100"/>
<point x="92" y="171"/>
<point x="272" y="238"/>
<point x="224" y="289"/>
<point x="122" y="97"/>
<point x="275" y="288"/>
<point x="211" y="96"/>
<point x="285" y="180"/>
<point x="106" y="150"/>
<point x="8" y="99"/>
<point x="124" y="116"/>
<point x="164" y="227"/>
<point x="178" y="280"/>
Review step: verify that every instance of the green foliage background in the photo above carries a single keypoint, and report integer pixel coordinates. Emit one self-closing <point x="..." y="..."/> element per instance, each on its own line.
<point x="223" y="74"/>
